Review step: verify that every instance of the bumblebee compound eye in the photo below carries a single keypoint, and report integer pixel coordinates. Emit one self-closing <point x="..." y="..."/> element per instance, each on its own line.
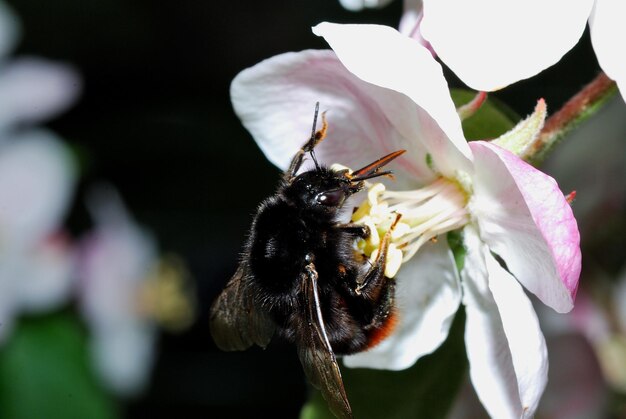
<point x="331" y="198"/>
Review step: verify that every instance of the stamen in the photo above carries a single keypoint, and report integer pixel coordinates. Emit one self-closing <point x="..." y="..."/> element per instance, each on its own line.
<point x="167" y="296"/>
<point x="424" y="214"/>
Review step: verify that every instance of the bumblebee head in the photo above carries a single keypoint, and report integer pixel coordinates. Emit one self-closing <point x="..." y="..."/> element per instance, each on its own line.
<point x="325" y="190"/>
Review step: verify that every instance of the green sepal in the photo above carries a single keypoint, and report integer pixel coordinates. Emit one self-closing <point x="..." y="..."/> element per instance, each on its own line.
<point x="521" y="137"/>
<point x="490" y="121"/>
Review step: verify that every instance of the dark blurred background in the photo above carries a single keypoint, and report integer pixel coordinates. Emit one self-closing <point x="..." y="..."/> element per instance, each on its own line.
<point x="155" y="120"/>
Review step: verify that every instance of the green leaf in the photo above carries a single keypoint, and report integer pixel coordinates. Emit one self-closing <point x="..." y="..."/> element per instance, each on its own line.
<point x="45" y="372"/>
<point x="426" y="390"/>
<point x="491" y="121"/>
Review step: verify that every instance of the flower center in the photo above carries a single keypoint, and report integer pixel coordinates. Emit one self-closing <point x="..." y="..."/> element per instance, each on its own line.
<point x="414" y="217"/>
<point x="166" y="295"/>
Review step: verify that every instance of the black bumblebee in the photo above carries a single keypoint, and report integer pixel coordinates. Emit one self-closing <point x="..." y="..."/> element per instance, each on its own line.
<point x="300" y="276"/>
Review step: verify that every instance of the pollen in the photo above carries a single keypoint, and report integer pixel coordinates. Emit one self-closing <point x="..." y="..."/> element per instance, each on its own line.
<point x="166" y="295"/>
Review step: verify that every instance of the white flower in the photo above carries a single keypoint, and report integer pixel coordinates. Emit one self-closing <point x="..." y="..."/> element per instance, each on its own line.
<point x="37" y="177"/>
<point x="115" y="260"/>
<point x="383" y="92"/>
<point x="125" y="293"/>
<point x="33" y="89"/>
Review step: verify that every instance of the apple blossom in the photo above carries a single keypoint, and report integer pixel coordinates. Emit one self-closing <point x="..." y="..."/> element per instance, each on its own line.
<point x="37" y="177"/>
<point x="383" y="92"/>
<point x="125" y="293"/>
<point x="490" y="44"/>
<point x="36" y="184"/>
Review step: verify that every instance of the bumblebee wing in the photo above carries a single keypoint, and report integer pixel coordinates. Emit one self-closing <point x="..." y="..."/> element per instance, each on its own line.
<point x="236" y="322"/>
<point x="316" y="354"/>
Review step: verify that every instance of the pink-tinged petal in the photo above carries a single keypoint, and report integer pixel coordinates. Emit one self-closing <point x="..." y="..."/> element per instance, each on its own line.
<point x="428" y="295"/>
<point x="115" y="259"/>
<point x="9" y="29"/>
<point x="410" y="23"/>
<point x="358" y="5"/>
<point x="505" y="347"/>
<point x="490" y="44"/>
<point x="607" y="36"/>
<point x="524" y="218"/>
<point x="35" y="89"/>
<point x="37" y="177"/>
<point x="382" y="56"/>
<point x="46" y="275"/>
<point x="276" y="98"/>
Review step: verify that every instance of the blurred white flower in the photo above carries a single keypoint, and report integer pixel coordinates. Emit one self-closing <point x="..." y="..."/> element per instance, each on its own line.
<point x="357" y="5"/>
<point x="36" y="184"/>
<point x="33" y="89"/>
<point x="37" y="177"/>
<point x="124" y="294"/>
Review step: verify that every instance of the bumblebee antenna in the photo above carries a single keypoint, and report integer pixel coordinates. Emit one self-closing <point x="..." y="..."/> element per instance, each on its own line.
<point x="313" y="141"/>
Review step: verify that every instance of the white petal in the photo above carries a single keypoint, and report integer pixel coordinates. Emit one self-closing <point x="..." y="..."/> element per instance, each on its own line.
<point x="383" y="57"/>
<point x="428" y="295"/>
<point x="358" y="5"/>
<point x="46" y="275"/>
<point x="491" y="365"/>
<point x="35" y="89"/>
<point x="608" y="33"/>
<point x="490" y="44"/>
<point x="124" y="356"/>
<point x="524" y="218"/>
<point x="276" y="98"/>
<point x="526" y="342"/>
<point x="37" y="178"/>
<point x="9" y="29"/>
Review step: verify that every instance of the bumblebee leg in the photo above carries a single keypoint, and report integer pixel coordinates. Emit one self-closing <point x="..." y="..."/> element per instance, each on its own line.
<point x="376" y="293"/>
<point x="316" y="138"/>
<point x="370" y="284"/>
<point x="357" y="230"/>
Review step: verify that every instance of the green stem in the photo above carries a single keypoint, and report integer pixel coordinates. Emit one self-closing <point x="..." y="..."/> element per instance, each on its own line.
<point x="582" y="105"/>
